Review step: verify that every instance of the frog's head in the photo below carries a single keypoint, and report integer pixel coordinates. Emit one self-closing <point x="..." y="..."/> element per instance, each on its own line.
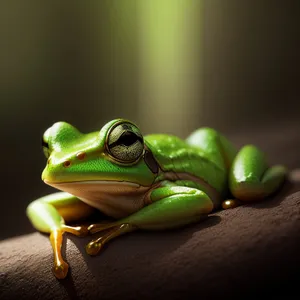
<point x="115" y="155"/>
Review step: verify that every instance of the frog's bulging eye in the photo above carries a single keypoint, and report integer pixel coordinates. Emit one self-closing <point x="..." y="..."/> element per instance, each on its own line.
<point x="125" y="142"/>
<point x="45" y="148"/>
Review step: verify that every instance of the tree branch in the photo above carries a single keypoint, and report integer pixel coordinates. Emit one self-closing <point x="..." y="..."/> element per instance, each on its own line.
<point x="249" y="250"/>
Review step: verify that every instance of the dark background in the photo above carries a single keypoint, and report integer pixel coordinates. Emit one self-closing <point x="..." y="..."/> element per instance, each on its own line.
<point x="233" y="65"/>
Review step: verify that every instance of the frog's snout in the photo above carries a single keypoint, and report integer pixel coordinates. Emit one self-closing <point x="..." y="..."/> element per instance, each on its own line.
<point x="80" y="155"/>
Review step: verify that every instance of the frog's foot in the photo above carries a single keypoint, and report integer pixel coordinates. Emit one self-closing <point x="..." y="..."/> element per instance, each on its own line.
<point x="49" y="215"/>
<point x="60" y="268"/>
<point x="96" y="245"/>
<point x="251" y="179"/>
<point x="231" y="203"/>
<point x="80" y="231"/>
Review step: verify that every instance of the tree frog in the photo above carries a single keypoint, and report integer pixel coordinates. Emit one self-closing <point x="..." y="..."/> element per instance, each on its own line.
<point x="151" y="182"/>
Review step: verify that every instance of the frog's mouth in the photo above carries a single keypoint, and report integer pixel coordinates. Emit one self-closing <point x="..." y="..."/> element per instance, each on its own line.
<point x="114" y="198"/>
<point x="91" y="182"/>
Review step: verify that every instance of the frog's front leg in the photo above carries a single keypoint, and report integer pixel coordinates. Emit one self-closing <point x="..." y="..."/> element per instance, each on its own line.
<point x="250" y="177"/>
<point x="171" y="207"/>
<point x="49" y="214"/>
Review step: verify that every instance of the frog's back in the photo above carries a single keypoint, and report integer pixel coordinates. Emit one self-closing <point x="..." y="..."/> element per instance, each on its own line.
<point x="176" y="155"/>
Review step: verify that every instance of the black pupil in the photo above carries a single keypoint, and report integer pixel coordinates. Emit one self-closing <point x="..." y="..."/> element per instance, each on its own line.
<point x="128" y="138"/>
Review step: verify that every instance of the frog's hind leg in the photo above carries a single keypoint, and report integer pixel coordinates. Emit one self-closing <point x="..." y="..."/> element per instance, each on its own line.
<point x="250" y="177"/>
<point x="49" y="214"/>
<point x="216" y="147"/>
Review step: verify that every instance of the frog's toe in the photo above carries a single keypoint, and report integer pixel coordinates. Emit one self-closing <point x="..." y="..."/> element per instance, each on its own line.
<point x="60" y="270"/>
<point x="94" y="228"/>
<point x="231" y="203"/>
<point x="80" y="231"/>
<point x="93" y="248"/>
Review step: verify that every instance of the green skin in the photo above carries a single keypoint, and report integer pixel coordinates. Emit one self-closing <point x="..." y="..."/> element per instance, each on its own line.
<point x="154" y="182"/>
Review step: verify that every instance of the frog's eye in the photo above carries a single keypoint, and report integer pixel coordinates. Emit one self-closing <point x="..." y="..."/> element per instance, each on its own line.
<point x="125" y="142"/>
<point x="46" y="149"/>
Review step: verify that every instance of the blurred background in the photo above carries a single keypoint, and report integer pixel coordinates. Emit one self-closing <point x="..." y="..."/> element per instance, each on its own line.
<point x="168" y="65"/>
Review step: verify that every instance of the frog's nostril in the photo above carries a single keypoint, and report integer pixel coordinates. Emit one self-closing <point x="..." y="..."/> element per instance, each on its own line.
<point x="67" y="164"/>
<point x="49" y="161"/>
<point x="81" y="155"/>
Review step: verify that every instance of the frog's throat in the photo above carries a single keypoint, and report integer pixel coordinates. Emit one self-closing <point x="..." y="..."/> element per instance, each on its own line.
<point x="114" y="198"/>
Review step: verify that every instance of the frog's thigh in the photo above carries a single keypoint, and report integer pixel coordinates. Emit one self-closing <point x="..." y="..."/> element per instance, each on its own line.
<point x="250" y="177"/>
<point x="173" y="206"/>
<point x="214" y="144"/>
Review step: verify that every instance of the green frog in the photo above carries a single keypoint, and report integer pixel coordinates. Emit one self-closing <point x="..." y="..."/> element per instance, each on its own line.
<point x="152" y="182"/>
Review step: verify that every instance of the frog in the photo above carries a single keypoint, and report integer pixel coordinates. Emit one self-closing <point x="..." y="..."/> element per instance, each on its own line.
<point x="142" y="182"/>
